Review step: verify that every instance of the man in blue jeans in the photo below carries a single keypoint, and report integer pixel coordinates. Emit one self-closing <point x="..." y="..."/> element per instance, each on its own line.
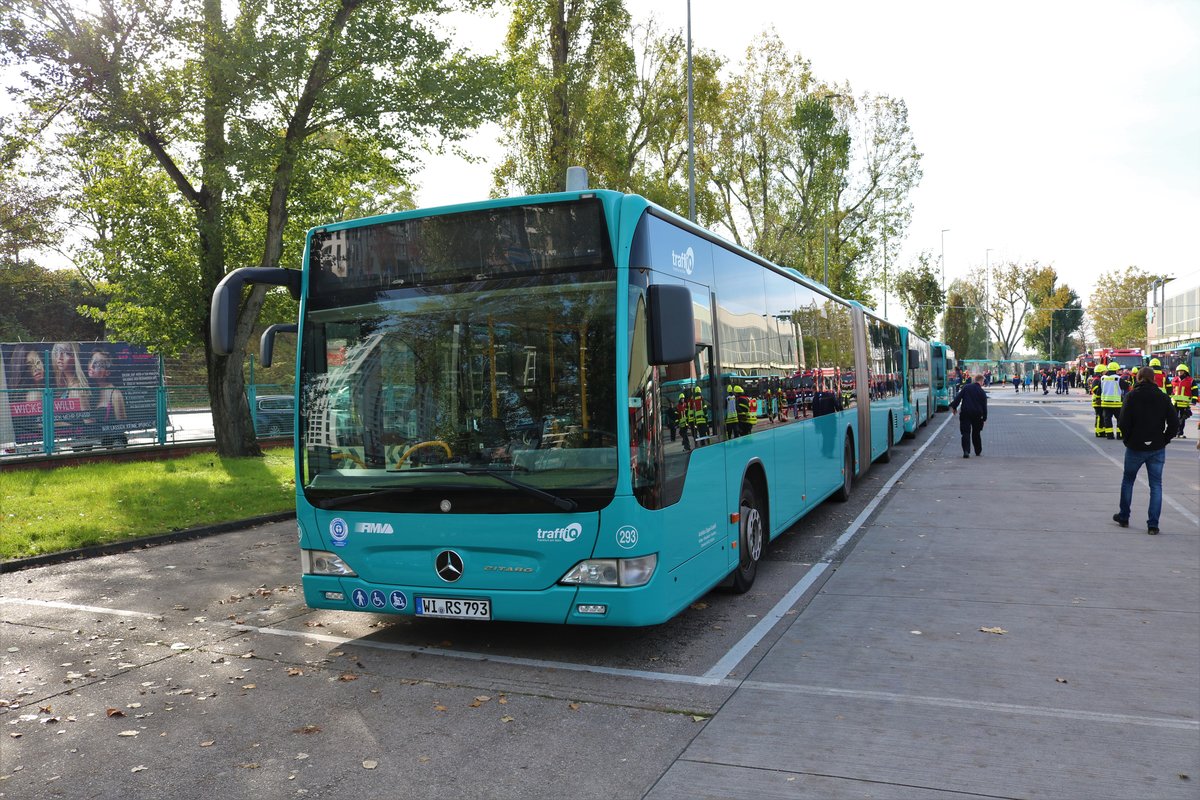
<point x="1148" y="422"/>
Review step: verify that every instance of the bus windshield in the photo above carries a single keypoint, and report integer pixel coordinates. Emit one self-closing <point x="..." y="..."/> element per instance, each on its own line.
<point x="490" y="392"/>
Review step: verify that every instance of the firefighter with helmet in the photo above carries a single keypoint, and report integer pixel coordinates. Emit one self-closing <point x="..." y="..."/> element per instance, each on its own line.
<point x="1160" y="377"/>
<point x="1094" y="387"/>
<point x="1112" y="389"/>
<point x="1184" y="393"/>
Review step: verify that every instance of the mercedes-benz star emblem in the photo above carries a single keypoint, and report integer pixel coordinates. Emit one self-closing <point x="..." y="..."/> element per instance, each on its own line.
<point x="449" y="566"/>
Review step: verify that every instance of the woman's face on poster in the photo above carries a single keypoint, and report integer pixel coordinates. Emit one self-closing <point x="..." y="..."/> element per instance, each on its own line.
<point x="37" y="372"/>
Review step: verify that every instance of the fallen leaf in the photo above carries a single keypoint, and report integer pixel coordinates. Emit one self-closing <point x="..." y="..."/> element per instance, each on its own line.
<point x="507" y="718"/>
<point x="370" y="764"/>
<point x="573" y="706"/>
<point x="209" y="743"/>
<point x="503" y="700"/>
<point x="1060" y="680"/>
<point x="698" y="717"/>
<point x="249" y="686"/>
<point x="440" y="707"/>
<point x="347" y="676"/>
<point x="699" y="606"/>
<point x="128" y="733"/>
<point x="996" y="630"/>
<point x="294" y="671"/>
<point x="423" y="759"/>
<point x="308" y="729"/>
<point x="16" y="735"/>
<point x="44" y="709"/>
<point x="114" y="712"/>
<point x="139" y="768"/>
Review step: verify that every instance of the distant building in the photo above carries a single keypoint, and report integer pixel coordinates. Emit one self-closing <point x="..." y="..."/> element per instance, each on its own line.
<point x="1173" y="312"/>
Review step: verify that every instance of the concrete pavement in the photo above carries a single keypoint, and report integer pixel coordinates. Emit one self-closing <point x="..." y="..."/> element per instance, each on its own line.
<point x="982" y="629"/>
<point x="992" y="634"/>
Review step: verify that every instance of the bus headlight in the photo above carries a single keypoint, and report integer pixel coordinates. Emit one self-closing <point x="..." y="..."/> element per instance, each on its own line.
<point x="321" y="562"/>
<point x="612" y="571"/>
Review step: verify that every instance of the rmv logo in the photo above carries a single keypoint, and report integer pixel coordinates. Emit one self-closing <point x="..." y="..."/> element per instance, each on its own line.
<point x="373" y="527"/>
<point x="685" y="261"/>
<point x="567" y="534"/>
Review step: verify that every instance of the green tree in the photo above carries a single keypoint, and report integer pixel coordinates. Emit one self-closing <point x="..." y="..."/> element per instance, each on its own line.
<point x="41" y="304"/>
<point x="234" y="101"/>
<point x="28" y="215"/>
<point x="790" y="157"/>
<point x="1056" y="317"/>
<point x="574" y="77"/>
<point x="1118" y="307"/>
<point x="920" y="290"/>
<point x="963" y="325"/>
<point x="1012" y="294"/>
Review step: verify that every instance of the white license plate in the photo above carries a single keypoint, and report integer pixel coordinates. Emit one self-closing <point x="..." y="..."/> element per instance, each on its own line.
<point x="454" y="608"/>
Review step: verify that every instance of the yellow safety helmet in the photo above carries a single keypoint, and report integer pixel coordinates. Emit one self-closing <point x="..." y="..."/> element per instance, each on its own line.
<point x="737" y="390"/>
<point x="1154" y="362"/>
<point x="697" y="390"/>
<point x="1102" y="368"/>
<point x="1182" y="368"/>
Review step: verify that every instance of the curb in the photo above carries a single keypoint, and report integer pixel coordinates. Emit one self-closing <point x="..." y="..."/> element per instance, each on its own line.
<point x="139" y="543"/>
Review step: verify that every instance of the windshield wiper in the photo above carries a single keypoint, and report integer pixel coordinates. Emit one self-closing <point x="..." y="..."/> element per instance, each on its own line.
<point x="562" y="503"/>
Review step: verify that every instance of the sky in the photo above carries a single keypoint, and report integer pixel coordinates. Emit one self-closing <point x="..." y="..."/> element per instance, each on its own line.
<point x="1061" y="131"/>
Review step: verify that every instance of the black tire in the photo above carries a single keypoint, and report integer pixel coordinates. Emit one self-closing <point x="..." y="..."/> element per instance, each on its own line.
<point x="752" y="539"/>
<point x="843" y="493"/>
<point x="886" y="457"/>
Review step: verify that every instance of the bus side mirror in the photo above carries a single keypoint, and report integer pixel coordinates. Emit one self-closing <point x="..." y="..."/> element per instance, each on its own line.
<point x="672" y="326"/>
<point x="223" y="312"/>
<point x="266" y="345"/>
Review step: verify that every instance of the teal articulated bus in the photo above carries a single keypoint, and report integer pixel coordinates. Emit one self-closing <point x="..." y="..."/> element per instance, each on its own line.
<point x="942" y="362"/>
<point x="919" y="399"/>
<point x="482" y="425"/>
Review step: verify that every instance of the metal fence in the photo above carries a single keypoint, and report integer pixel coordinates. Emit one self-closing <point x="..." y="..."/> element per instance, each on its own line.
<point x="43" y="422"/>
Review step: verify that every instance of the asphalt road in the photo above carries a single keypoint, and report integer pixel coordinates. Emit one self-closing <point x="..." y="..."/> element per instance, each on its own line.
<point x="195" y="670"/>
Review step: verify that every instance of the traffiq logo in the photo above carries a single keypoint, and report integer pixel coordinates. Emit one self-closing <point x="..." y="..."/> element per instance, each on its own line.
<point x="685" y="261"/>
<point x="568" y="534"/>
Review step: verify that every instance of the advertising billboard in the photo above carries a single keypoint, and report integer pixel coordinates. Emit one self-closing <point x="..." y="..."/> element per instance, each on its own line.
<point x="100" y="391"/>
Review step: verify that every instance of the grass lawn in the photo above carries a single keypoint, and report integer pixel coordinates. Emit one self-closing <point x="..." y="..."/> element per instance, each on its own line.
<point x="46" y="511"/>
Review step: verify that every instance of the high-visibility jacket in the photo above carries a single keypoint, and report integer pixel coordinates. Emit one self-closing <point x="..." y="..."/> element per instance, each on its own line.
<point x="681" y="411"/>
<point x="696" y="410"/>
<point x="1184" y="392"/>
<point x="743" y="409"/>
<point x="1095" y="390"/>
<point x="753" y="410"/>
<point x="1160" y="378"/>
<point x="731" y="408"/>
<point x="1111" y="389"/>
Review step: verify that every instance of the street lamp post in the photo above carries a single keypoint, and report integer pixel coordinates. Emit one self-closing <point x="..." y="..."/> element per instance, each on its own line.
<point x="944" y="232"/>
<point x="987" y="298"/>
<point x="691" y="137"/>
<point x="886" y="191"/>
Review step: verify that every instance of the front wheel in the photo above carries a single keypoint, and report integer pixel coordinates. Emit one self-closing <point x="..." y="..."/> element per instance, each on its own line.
<point x="843" y="493"/>
<point x="752" y="539"/>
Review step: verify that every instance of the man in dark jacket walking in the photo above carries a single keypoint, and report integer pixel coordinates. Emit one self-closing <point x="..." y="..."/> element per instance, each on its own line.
<point x="1148" y="422"/>
<point x="973" y="400"/>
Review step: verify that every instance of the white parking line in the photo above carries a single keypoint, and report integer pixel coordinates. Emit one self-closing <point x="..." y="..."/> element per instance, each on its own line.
<point x="696" y="680"/>
<point x="976" y="705"/>
<point x="118" y="612"/>
<point x="1120" y="465"/>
